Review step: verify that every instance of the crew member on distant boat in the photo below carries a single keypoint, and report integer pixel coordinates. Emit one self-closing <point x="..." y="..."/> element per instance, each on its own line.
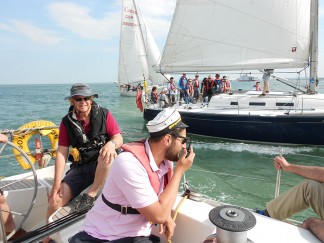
<point x="208" y="88"/>
<point x="183" y="85"/>
<point x="189" y="92"/>
<point x="266" y="76"/>
<point x="226" y="85"/>
<point x="94" y="136"/>
<point x="164" y="100"/>
<point x="217" y="83"/>
<point x="140" y="190"/>
<point x="309" y="193"/>
<point x="8" y="221"/>
<point x="257" y="86"/>
<point x="172" y="90"/>
<point x="195" y="83"/>
<point x="154" y="95"/>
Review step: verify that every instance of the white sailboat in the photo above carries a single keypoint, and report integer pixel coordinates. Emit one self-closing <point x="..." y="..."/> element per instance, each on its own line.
<point x="138" y="52"/>
<point x="249" y="35"/>
<point x="27" y="195"/>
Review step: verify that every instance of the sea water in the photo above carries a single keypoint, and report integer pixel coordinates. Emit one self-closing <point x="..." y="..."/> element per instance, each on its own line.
<point x="232" y="172"/>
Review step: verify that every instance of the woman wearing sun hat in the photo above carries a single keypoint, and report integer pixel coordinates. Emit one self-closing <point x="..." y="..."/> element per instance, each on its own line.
<point x="88" y="137"/>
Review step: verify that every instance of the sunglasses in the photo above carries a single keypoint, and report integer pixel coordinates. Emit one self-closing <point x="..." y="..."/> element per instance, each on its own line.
<point x="84" y="98"/>
<point x="184" y="139"/>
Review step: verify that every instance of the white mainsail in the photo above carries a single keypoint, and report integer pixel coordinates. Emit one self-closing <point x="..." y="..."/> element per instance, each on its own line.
<point x="237" y="35"/>
<point x="138" y="51"/>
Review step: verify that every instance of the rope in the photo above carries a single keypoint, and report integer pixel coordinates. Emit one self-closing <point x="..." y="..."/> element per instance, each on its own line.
<point x="277" y="190"/>
<point x="25" y="131"/>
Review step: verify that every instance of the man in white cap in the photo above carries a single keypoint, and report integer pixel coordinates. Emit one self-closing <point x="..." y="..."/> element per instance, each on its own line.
<point x="140" y="190"/>
<point x="93" y="135"/>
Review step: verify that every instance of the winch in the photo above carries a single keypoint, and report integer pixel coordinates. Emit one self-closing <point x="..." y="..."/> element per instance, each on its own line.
<point x="232" y="224"/>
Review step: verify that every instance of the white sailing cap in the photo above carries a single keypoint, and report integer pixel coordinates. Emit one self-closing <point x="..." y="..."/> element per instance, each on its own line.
<point x="166" y="121"/>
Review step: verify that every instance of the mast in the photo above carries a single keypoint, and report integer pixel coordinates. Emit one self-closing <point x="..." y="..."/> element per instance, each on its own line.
<point x="314" y="46"/>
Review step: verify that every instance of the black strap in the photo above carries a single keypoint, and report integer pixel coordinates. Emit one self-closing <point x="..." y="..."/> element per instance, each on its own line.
<point x="122" y="209"/>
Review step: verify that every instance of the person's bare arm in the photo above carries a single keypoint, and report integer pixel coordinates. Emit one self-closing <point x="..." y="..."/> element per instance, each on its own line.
<point x="60" y="161"/>
<point x="108" y="151"/>
<point x="160" y="211"/>
<point x="309" y="172"/>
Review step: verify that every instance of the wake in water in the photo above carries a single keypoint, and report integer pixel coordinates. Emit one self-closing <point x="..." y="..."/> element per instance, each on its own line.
<point x="255" y="148"/>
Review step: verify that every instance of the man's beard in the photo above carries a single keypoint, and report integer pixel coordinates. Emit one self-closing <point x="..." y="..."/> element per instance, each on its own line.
<point x="171" y="154"/>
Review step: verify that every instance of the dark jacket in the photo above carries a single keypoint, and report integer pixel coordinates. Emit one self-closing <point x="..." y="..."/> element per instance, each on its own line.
<point x="89" y="144"/>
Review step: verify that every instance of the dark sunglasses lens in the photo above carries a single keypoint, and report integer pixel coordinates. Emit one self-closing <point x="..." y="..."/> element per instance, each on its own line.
<point x="184" y="140"/>
<point x="85" y="99"/>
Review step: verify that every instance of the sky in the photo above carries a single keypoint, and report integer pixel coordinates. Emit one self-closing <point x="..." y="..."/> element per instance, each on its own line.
<point x="43" y="41"/>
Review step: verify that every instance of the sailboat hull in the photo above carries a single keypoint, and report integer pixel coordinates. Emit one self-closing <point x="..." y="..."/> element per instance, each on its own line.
<point x="283" y="129"/>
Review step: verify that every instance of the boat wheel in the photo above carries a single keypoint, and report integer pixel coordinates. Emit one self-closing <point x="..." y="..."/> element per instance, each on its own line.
<point x="24" y="215"/>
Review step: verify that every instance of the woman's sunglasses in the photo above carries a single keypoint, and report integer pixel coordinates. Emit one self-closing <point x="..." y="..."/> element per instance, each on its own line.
<point x="84" y="98"/>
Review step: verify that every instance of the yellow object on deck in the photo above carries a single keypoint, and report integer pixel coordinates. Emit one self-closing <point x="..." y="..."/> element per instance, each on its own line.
<point x="26" y="131"/>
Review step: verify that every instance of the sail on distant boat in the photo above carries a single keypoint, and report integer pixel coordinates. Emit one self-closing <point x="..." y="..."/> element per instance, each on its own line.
<point x="241" y="35"/>
<point x="246" y="35"/>
<point x="138" y="51"/>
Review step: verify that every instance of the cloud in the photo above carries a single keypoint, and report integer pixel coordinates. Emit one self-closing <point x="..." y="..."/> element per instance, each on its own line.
<point x="36" y="34"/>
<point x="78" y="20"/>
<point x="7" y="28"/>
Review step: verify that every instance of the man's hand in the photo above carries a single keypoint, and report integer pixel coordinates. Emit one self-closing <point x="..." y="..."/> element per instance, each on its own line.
<point x="108" y="152"/>
<point x="186" y="163"/>
<point x="168" y="228"/>
<point x="280" y="162"/>
<point x="3" y="138"/>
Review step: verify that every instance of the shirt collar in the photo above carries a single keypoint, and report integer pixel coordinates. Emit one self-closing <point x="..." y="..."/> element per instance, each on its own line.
<point x="148" y="151"/>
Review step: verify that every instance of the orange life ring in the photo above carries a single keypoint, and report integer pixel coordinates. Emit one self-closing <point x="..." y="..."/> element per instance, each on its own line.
<point x="21" y="138"/>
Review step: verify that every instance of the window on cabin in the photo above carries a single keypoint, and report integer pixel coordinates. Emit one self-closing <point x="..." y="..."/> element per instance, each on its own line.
<point x="257" y="103"/>
<point x="284" y="104"/>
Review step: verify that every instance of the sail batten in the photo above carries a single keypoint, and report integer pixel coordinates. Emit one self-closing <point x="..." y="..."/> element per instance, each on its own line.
<point x="238" y="35"/>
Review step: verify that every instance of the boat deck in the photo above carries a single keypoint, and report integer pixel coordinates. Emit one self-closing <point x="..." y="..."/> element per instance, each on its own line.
<point x="11" y="185"/>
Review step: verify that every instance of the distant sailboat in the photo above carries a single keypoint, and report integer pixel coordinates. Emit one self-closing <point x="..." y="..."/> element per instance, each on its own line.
<point x="138" y="52"/>
<point x="244" y="35"/>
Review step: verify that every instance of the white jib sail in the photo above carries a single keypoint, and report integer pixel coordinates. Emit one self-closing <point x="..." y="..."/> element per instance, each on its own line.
<point x="138" y="51"/>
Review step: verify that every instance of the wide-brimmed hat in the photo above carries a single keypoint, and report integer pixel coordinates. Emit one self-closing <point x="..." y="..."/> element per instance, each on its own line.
<point x="166" y="121"/>
<point x="80" y="89"/>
